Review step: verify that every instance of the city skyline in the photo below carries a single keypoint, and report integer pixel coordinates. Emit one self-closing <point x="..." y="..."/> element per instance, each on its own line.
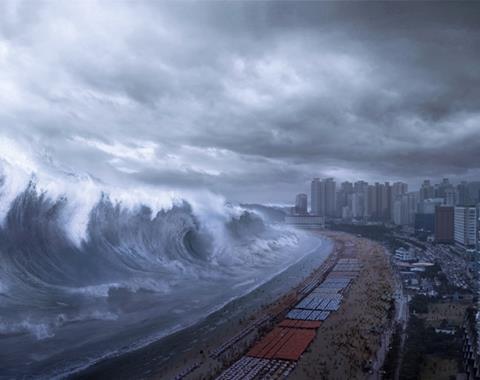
<point x="433" y="183"/>
<point x="429" y="210"/>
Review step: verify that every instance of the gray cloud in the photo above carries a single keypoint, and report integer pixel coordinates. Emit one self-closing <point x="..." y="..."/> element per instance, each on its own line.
<point x="247" y="99"/>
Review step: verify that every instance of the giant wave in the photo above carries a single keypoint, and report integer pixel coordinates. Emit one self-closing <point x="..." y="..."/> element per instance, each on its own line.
<point x="43" y="271"/>
<point x="68" y="257"/>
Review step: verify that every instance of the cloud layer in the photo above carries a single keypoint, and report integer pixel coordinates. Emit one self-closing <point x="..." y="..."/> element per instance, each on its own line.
<point x="247" y="99"/>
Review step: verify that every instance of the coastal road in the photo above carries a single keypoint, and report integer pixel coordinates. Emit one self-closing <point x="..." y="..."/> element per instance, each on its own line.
<point x="381" y="355"/>
<point x="401" y="317"/>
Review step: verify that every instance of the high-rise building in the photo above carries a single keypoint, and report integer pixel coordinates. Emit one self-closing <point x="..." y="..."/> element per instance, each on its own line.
<point x="399" y="188"/>
<point x="427" y="206"/>
<point x="371" y="202"/>
<point x="404" y="209"/>
<point x="360" y="200"/>
<point x="442" y="187"/>
<point x="330" y="197"/>
<point x="397" y="212"/>
<point x="344" y="197"/>
<point x="444" y="224"/>
<point x="465" y="227"/>
<point x="379" y="201"/>
<point x="425" y="215"/>
<point x="317" y="197"/>
<point x="386" y="204"/>
<point x="462" y="194"/>
<point x="427" y="191"/>
<point x="360" y="187"/>
<point x="450" y="196"/>
<point x="358" y="205"/>
<point x="397" y="191"/>
<point x="301" y="204"/>
<point x="473" y="191"/>
<point x="347" y="187"/>
<point x="409" y="207"/>
<point x="346" y="213"/>
<point x="323" y="194"/>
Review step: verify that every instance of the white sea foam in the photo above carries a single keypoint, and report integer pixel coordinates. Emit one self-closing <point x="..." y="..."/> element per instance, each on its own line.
<point x="19" y="166"/>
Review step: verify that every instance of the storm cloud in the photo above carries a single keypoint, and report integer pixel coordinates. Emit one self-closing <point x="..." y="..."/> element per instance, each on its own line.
<point x="247" y="99"/>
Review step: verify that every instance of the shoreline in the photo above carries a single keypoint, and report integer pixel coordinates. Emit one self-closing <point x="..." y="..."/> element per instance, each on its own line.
<point x="154" y="361"/>
<point x="316" y="341"/>
<point x="345" y="346"/>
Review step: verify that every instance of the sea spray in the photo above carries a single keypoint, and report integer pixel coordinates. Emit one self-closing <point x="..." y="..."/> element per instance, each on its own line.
<point x="79" y="255"/>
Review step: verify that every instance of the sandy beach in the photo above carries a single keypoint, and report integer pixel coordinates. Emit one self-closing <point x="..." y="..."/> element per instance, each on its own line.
<point x="344" y="345"/>
<point x="349" y="343"/>
<point x="350" y="337"/>
<point x="182" y="350"/>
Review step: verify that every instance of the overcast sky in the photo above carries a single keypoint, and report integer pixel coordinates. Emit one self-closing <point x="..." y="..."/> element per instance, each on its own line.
<point x="247" y="99"/>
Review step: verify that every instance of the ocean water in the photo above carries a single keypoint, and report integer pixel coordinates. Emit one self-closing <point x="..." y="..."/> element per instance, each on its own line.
<point x="88" y="272"/>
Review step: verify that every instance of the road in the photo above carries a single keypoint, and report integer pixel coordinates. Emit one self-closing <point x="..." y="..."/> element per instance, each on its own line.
<point x="401" y="317"/>
<point x="401" y="305"/>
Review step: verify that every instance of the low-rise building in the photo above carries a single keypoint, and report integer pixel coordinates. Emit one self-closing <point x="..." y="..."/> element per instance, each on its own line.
<point x="305" y="221"/>
<point x="405" y="255"/>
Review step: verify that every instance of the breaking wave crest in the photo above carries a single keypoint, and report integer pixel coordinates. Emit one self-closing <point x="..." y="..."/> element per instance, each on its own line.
<point x="61" y="263"/>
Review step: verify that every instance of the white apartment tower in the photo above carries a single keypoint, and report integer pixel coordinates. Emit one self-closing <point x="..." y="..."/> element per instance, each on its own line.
<point x="465" y="226"/>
